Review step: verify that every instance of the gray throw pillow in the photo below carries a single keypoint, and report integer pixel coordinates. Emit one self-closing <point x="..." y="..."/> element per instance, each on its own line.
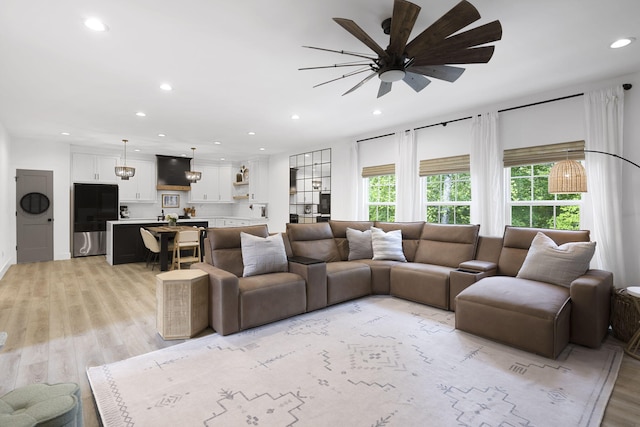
<point x="387" y="245"/>
<point x="359" y="244"/>
<point x="560" y="265"/>
<point x="261" y="255"/>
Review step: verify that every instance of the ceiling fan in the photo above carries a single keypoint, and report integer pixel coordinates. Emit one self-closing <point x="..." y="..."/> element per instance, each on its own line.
<point x="426" y="55"/>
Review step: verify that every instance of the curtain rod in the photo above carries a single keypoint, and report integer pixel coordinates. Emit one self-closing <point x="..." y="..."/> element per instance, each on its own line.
<point x="626" y="86"/>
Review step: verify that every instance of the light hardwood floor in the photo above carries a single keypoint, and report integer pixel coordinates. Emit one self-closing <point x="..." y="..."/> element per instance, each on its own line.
<point x="64" y="316"/>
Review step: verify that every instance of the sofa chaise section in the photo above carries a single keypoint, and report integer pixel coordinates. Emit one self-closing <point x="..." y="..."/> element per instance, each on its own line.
<point x="534" y="315"/>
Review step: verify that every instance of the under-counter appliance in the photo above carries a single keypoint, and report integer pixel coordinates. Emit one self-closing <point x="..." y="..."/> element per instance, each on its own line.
<point x="93" y="206"/>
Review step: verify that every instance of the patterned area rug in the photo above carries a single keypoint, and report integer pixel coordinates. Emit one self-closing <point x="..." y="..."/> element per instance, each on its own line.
<point x="378" y="361"/>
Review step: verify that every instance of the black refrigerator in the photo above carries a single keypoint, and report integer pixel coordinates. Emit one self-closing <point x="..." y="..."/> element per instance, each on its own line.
<point x="93" y="206"/>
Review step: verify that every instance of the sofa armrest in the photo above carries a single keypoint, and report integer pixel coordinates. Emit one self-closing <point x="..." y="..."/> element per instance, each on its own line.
<point x="315" y="276"/>
<point x="477" y="266"/>
<point x="462" y="278"/>
<point x="224" y="294"/>
<point x="590" y="307"/>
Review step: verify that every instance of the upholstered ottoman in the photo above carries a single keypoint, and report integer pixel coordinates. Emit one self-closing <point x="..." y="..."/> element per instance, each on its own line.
<point x="51" y="405"/>
<point x="530" y="315"/>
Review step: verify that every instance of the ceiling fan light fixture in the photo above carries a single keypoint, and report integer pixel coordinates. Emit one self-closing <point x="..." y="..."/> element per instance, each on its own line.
<point x="390" y="76"/>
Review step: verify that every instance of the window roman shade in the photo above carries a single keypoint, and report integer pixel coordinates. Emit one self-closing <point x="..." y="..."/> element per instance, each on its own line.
<point x="544" y="153"/>
<point x="445" y="165"/>
<point x="369" y="171"/>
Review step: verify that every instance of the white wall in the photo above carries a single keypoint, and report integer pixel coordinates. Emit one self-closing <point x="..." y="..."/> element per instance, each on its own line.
<point x="7" y="227"/>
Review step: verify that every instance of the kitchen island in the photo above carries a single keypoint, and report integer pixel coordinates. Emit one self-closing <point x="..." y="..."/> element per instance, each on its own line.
<point x="124" y="242"/>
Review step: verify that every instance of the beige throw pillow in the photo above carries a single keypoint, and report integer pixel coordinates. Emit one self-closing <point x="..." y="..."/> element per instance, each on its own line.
<point x="387" y="245"/>
<point x="359" y="244"/>
<point x="261" y="255"/>
<point x="560" y="265"/>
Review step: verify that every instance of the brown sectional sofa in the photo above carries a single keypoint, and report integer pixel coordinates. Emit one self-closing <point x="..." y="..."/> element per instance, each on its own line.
<point x="450" y="267"/>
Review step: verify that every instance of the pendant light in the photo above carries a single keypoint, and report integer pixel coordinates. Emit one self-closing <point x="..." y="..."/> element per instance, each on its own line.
<point x="193" y="176"/>
<point x="125" y="172"/>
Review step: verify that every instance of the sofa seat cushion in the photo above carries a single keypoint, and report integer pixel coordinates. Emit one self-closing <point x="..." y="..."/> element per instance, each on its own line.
<point x="527" y="314"/>
<point x="423" y="283"/>
<point x="347" y="280"/>
<point x="380" y="274"/>
<point x="269" y="297"/>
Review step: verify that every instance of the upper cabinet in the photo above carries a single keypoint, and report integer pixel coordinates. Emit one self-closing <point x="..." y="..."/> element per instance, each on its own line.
<point x="258" y="176"/>
<point x="310" y="186"/>
<point x="142" y="186"/>
<point x="213" y="187"/>
<point x="93" y="168"/>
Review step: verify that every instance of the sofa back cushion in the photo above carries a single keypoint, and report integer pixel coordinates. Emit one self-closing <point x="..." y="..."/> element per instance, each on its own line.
<point x="411" y="232"/>
<point x="517" y="241"/>
<point x="225" y="247"/>
<point x="339" y="230"/>
<point x="447" y="244"/>
<point x="313" y="241"/>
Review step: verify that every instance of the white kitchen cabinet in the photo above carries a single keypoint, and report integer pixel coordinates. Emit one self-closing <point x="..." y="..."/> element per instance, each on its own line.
<point x="258" y="181"/>
<point x="93" y="168"/>
<point x="142" y="186"/>
<point x="213" y="187"/>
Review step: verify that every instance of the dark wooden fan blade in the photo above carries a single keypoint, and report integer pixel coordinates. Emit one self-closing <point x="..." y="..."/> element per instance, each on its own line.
<point x="440" y="72"/>
<point x="416" y="81"/>
<point x="359" y="33"/>
<point x="476" y="55"/>
<point x="463" y="14"/>
<point x="385" y="88"/>
<point x="366" y="79"/>
<point x="404" y="17"/>
<point x="486" y="33"/>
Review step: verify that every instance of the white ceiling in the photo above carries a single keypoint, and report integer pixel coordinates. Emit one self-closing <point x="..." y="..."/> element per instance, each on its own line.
<point x="234" y="69"/>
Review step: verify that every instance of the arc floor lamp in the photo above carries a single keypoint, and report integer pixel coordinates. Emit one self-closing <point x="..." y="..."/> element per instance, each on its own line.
<point x="569" y="176"/>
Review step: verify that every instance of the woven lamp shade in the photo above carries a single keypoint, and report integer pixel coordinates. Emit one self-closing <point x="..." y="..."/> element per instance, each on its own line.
<point x="567" y="176"/>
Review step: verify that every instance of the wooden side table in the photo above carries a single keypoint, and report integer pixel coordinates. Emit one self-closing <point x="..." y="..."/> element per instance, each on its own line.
<point x="634" y="343"/>
<point x="182" y="298"/>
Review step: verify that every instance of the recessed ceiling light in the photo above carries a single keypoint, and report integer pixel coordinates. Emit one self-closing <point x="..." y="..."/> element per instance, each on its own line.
<point x="96" y="25"/>
<point x="166" y="86"/>
<point x="183" y="155"/>
<point x="161" y="135"/>
<point x="295" y="117"/>
<point x="251" y="133"/>
<point x="377" y="112"/>
<point x="222" y="158"/>
<point x="262" y="148"/>
<point x="65" y="133"/>
<point x="622" y="42"/>
<point x="140" y="114"/>
<point x="217" y="142"/>
<point x="137" y="150"/>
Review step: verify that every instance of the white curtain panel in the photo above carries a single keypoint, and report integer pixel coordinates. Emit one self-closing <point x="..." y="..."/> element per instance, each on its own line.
<point x="357" y="199"/>
<point x="407" y="180"/>
<point x="487" y="175"/>
<point x="603" y="202"/>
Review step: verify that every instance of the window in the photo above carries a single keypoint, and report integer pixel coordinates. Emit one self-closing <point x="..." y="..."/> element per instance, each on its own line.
<point x="448" y="198"/>
<point x="446" y="186"/>
<point x="381" y="197"/>
<point x="531" y="205"/>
